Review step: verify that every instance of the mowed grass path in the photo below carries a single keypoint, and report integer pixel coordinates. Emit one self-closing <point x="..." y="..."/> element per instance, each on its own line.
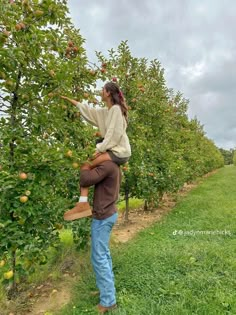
<point x="176" y="266"/>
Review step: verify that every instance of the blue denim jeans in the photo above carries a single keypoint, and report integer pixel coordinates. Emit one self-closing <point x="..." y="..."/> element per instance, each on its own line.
<point x="101" y="259"/>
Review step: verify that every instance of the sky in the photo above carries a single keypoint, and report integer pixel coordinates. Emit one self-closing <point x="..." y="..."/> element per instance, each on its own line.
<point x="194" y="41"/>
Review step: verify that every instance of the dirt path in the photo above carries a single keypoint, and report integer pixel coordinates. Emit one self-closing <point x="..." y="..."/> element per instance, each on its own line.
<point x="140" y="219"/>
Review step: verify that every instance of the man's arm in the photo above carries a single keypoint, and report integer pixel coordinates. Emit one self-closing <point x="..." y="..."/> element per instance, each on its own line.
<point x="92" y="177"/>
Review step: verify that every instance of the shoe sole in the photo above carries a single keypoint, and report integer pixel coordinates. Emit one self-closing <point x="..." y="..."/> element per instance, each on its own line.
<point x="78" y="215"/>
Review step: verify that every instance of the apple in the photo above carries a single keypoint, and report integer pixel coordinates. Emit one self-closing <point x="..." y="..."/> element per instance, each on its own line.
<point x="114" y="79"/>
<point x="24" y="96"/>
<point x="38" y="13"/>
<point x="18" y="27"/>
<point x="9" y="83"/>
<point x="50" y="94"/>
<point x="68" y="50"/>
<point x="23" y="176"/>
<point x="103" y="70"/>
<point x="69" y="153"/>
<point x="70" y="43"/>
<point x="8" y="275"/>
<point x="22" y="25"/>
<point x="142" y="89"/>
<point x="75" y="49"/>
<point x="125" y="168"/>
<point x="28" y="193"/>
<point x="52" y="73"/>
<point x="24" y="199"/>
<point x="92" y="72"/>
<point x="2" y="263"/>
<point x="104" y="65"/>
<point x="6" y="33"/>
<point x="21" y="221"/>
<point x="2" y="75"/>
<point x="75" y="165"/>
<point x="97" y="134"/>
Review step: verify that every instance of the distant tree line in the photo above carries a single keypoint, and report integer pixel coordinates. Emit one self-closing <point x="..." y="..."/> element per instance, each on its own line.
<point x="228" y="155"/>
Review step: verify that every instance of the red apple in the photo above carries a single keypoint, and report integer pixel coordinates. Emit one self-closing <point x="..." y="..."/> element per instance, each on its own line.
<point x="23" y="176"/>
<point x="18" y="27"/>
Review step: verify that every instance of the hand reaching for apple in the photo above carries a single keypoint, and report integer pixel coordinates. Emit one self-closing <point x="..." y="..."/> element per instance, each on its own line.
<point x="74" y="102"/>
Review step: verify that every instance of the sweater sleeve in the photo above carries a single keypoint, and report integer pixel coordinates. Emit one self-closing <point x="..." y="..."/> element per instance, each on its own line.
<point x="114" y="131"/>
<point x="96" y="175"/>
<point x="90" y="114"/>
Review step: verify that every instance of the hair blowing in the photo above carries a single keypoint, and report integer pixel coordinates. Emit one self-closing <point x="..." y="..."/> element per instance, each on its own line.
<point x="117" y="97"/>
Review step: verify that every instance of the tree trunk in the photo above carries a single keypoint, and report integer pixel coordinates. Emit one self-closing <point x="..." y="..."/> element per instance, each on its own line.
<point x="145" y="208"/>
<point x="126" y="201"/>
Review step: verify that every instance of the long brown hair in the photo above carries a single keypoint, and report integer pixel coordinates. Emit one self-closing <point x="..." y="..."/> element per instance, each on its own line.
<point x="117" y="97"/>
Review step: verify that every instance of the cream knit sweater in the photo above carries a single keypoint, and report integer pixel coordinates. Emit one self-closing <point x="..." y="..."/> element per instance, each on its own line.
<point x="112" y="125"/>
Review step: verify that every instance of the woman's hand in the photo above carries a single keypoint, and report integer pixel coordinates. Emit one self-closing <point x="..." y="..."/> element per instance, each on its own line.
<point x="69" y="100"/>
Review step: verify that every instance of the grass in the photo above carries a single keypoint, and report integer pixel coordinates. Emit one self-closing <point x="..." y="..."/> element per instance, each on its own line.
<point x="65" y="257"/>
<point x="133" y="204"/>
<point x="183" y="264"/>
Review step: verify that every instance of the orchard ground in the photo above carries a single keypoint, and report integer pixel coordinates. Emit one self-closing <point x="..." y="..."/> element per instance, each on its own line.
<point x="185" y="273"/>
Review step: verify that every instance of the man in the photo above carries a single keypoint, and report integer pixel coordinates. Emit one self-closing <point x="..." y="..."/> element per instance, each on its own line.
<point x="107" y="178"/>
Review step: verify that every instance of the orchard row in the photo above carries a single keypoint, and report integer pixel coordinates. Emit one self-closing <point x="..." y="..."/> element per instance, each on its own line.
<point x="43" y="140"/>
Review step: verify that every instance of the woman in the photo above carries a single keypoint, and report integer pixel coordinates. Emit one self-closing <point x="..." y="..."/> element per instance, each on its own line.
<point x="112" y="123"/>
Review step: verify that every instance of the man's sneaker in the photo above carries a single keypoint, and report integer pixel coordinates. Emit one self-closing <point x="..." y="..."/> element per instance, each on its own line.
<point x="81" y="210"/>
<point x="103" y="309"/>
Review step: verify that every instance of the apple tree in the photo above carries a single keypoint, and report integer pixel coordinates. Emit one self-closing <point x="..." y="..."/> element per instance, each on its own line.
<point x="42" y="140"/>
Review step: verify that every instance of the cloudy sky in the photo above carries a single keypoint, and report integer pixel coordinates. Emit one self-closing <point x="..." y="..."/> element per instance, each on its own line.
<point x="194" y="41"/>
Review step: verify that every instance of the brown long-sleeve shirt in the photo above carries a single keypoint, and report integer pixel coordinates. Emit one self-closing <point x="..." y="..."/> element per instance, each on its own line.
<point x="107" y="178"/>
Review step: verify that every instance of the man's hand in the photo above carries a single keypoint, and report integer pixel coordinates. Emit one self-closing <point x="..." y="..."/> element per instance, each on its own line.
<point x="96" y="154"/>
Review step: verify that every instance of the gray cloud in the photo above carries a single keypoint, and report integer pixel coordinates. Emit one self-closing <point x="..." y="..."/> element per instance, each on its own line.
<point x="194" y="41"/>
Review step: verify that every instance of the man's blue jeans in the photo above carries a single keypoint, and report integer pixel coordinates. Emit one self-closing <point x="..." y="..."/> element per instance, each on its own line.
<point x="101" y="259"/>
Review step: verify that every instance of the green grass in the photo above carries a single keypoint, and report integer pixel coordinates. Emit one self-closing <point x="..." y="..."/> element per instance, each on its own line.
<point x="64" y="255"/>
<point x="133" y="204"/>
<point x="165" y="272"/>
